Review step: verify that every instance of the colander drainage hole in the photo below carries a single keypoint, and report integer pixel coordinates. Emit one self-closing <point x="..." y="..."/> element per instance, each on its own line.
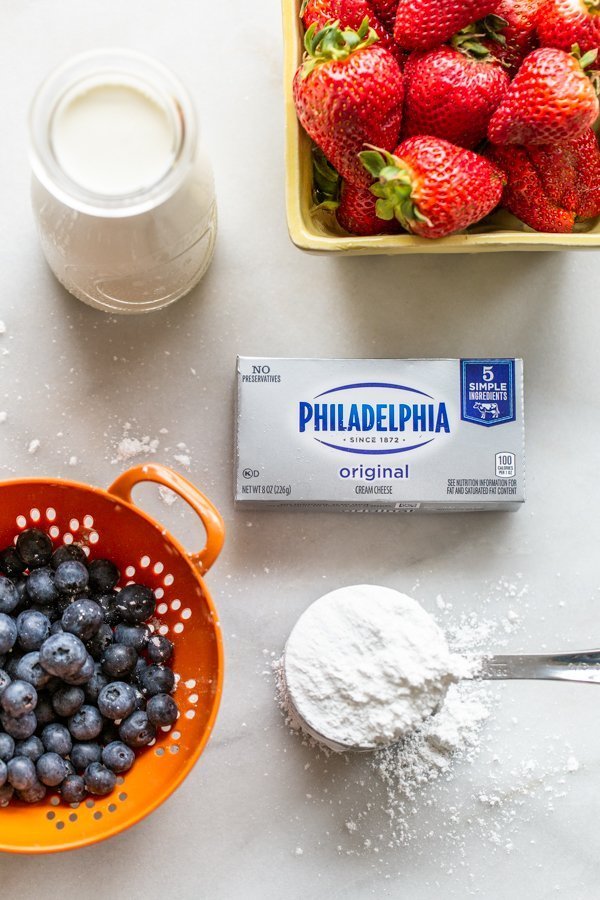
<point x="160" y="751"/>
<point x="175" y="748"/>
<point x="112" y="807"/>
<point x="97" y="815"/>
<point x="50" y="514"/>
<point x="73" y="817"/>
<point x="50" y="815"/>
<point x="90" y="804"/>
<point x="60" y="825"/>
<point x="123" y="797"/>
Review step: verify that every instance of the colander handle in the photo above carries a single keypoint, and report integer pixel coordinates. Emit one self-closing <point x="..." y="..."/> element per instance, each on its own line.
<point x="211" y="519"/>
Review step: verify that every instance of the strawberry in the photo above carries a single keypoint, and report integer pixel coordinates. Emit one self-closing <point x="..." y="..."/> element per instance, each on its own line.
<point x="386" y="11"/>
<point x="432" y="187"/>
<point x="423" y="24"/>
<point x="550" y="186"/>
<point x="562" y="23"/>
<point x="512" y="30"/>
<point x="347" y="13"/>
<point x="356" y="212"/>
<point x="348" y="92"/>
<point x="451" y="92"/>
<point x="550" y="99"/>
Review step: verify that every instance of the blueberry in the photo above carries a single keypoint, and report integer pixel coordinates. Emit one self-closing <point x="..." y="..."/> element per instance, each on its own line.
<point x="83" y="675"/>
<point x="3" y="773"/>
<point x="18" y="698"/>
<point x="73" y="789"/>
<point x="44" y="711"/>
<point x="118" y="660"/>
<point x="140" y="700"/>
<point x="20" y="728"/>
<point x="135" y="636"/>
<point x="9" y="595"/>
<point x="67" y="700"/>
<point x="34" y="547"/>
<point x="32" y="748"/>
<point x="161" y="709"/>
<point x="117" y="700"/>
<point x="5" y="679"/>
<point x="104" y="575"/>
<point x="160" y="649"/>
<point x="41" y="586"/>
<point x="108" y="601"/>
<point x="136" y="730"/>
<point x="28" y="669"/>
<point x="71" y="577"/>
<point x="12" y="663"/>
<point x="101" y="640"/>
<point x="62" y="654"/>
<point x="6" y="794"/>
<point x="33" y="794"/>
<point x="98" y="779"/>
<point x="83" y="618"/>
<point x="86" y="724"/>
<point x="109" y="733"/>
<point x="136" y="603"/>
<point x="7" y="747"/>
<point x="21" y="586"/>
<point x="56" y="738"/>
<point x="95" y="684"/>
<point x="57" y="627"/>
<point x="84" y="753"/>
<point x="66" y="552"/>
<point x="140" y="666"/>
<point x="156" y="680"/>
<point x="11" y="563"/>
<point x="8" y="633"/>
<point x="21" y="773"/>
<point x="118" y="757"/>
<point x="51" y="769"/>
<point x="32" y="628"/>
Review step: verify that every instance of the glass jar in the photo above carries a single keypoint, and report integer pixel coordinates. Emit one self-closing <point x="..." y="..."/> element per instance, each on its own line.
<point x="127" y="220"/>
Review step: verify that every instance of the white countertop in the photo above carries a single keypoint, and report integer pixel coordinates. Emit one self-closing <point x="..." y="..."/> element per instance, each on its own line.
<point x="243" y="825"/>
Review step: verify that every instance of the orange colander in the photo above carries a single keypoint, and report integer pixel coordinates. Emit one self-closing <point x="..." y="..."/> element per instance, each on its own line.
<point x="111" y="525"/>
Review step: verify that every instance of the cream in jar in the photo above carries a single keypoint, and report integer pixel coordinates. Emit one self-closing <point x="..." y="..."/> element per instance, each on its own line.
<point x="123" y="198"/>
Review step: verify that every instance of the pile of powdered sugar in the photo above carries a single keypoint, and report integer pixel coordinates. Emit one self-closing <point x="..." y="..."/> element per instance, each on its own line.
<point x="365" y="665"/>
<point x="446" y="779"/>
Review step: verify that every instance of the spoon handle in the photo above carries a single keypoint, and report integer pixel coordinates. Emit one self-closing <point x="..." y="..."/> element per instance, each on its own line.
<point x="583" y="666"/>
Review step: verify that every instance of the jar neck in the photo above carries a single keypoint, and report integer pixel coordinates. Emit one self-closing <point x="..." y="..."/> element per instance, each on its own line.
<point x="101" y="68"/>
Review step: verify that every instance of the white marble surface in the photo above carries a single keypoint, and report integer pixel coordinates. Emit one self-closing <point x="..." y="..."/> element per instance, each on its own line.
<point x="232" y="831"/>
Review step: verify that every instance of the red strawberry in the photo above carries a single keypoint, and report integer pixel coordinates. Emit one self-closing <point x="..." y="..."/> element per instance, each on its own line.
<point x="347" y="13"/>
<point x="356" y="212"/>
<point x="432" y="187"/>
<point x="423" y="24"/>
<point x="386" y="11"/>
<point x="348" y="93"/>
<point x="562" y="23"/>
<point x="550" y="99"/>
<point x="550" y="186"/>
<point x="513" y="26"/>
<point x="451" y="93"/>
<point x="524" y="195"/>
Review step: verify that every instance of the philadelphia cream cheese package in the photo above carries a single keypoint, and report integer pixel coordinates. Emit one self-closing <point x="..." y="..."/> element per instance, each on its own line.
<point x="380" y="435"/>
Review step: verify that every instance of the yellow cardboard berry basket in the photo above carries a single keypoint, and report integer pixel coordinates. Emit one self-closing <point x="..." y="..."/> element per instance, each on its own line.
<point x="319" y="231"/>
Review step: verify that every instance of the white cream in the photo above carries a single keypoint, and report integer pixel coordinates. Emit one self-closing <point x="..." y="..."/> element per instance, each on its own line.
<point x="113" y="139"/>
<point x="124" y="200"/>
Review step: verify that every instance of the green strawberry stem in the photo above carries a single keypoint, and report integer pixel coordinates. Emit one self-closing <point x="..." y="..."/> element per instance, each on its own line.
<point x="332" y="43"/>
<point x="326" y="182"/>
<point x="468" y="40"/>
<point x="593" y="6"/>
<point x="393" y="187"/>
<point x="585" y="61"/>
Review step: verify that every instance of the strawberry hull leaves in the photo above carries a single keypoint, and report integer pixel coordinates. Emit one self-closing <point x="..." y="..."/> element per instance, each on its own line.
<point x="348" y="92"/>
<point x="550" y="99"/>
<point x="357" y="213"/>
<point x="431" y="187"/>
<point x="348" y="13"/>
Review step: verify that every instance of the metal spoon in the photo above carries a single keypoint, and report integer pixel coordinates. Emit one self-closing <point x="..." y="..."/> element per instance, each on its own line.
<point x="582" y="666"/>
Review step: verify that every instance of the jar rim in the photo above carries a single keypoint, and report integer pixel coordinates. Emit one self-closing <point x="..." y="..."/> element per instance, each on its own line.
<point x="112" y="63"/>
